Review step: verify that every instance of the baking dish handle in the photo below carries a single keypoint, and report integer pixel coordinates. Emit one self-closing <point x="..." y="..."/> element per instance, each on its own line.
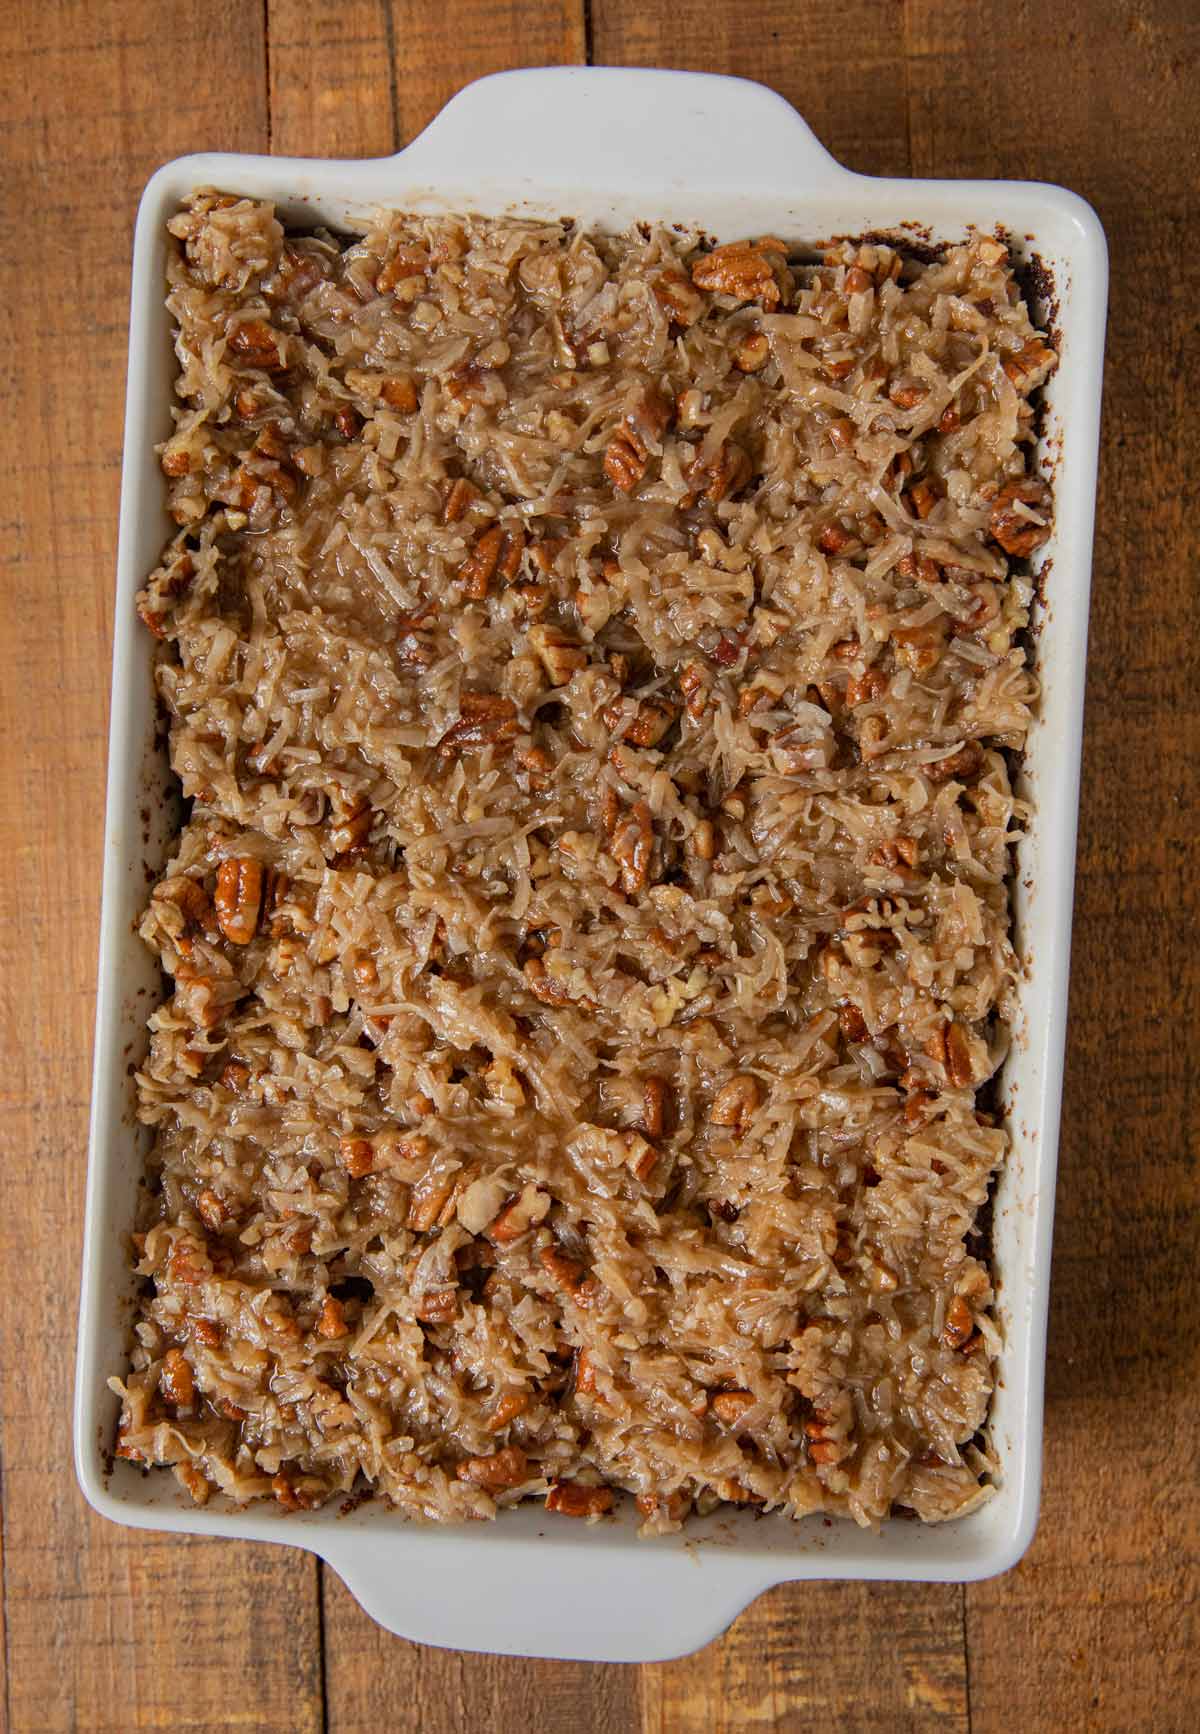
<point x="689" y="129"/>
<point x="572" y="1599"/>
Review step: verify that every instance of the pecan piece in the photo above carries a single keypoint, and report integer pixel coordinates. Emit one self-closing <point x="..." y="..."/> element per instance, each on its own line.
<point x="1017" y="533"/>
<point x="656" y="1106"/>
<point x="485" y="720"/>
<point x="399" y="393"/>
<point x="753" y="352"/>
<point x="648" y="725"/>
<point x="191" y="900"/>
<point x="866" y="687"/>
<point x="520" y="1215"/>
<point x="257" y="344"/>
<point x="559" y="655"/>
<point x="459" y="496"/>
<point x="175" y="1381"/>
<point x="736" y="1102"/>
<point x="677" y="297"/>
<point x="959" y="1327"/>
<point x="730" y="1406"/>
<point x="625" y="459"/>
<point x="494" y="550"/>
<point x="632" y="847"/>
<point x="357" y="1156"/>
<point x="238" y="898"/>
<point x="405" y="262"/>
<point x="506" y="1468"/>
<point x="713" y="479"/>
<point x="745" y="270"/>
<point x="332" y="1319"/>
<point x="962" y="765"/>
<point x="1030" y="365"/>
<point x="573" y="1499"/>
<point x="508" y="1407"/>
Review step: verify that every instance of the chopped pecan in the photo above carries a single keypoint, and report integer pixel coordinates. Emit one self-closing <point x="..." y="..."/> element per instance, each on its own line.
<point x="950" y="420"/>
<point x="899" y="854"/>
<point x="429" y="1198"/>
<point x="745" y="270"/>
<point x="736" y="1102"/>
<point x="351" y="819"/>
<point x="494" y="550"/>
<point x="648" y="723"/>
<point x="832" y="539"/>
<point x="437" y="1306"/>
<point x="907" y="395"/>
<point x="506" y="1468"/>
<point x="356" y="1155"/>
<point x="573" y="1499"/>
<point x="565" y="1273"/>
<point x="212" y="1209"/>
<point x="176" y="1381"/>
<point x="296" y="1493"/>
<point x="524" y="1212"/>
<point x="958" y="1057"/>
<point x="238" y="898"/>
<point x="1030" y="365"/>
<point x="459" y="496"/>
<point x="206" y="1331"/>
<point x="961" y="765"/>
<point x="959" y="1327"/>
<point x="405" y="262"/>
<point x="753" y="352"/>
<point x="922" y="497"/>
<point x="559" y="655"/>
<point x="730" y="1406"/>
<point x="656" y="1106"/>
<point x="852" y="1023"/>
<point x="625" y="459"/>
<point x="920" y="648"/>
<point x="191" y="900"/>
<point x="632" y="847"/>
<point x="509" y="1405"/>
<point x="547" y="988"/>
<point x="485" y="720"/>
<point x="538" y="766"/>
<point x="677" y="297"/>
<point x="713" y="479"/>
<point x="866" y="687"/>
<point x="332" y="1319"/>
<point x="694" y="685"/>
<point x="257" y="344"/>
<point x="841" y="433"/>
<point x="399" y="393"/>
<point x="1017" y="533"/>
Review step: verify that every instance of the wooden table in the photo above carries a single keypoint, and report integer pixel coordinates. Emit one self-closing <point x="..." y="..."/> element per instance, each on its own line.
<point x="108" y="1629"/>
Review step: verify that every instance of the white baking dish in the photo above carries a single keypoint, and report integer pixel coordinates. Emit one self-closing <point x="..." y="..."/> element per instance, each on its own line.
<point x="610" y="147"/>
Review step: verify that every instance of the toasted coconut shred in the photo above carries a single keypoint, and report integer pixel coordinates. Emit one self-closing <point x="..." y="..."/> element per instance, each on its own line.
<point x="591" y="662"/>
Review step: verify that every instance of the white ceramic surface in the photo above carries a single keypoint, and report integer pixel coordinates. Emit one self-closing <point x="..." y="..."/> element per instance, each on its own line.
<point x="735" y="159"/>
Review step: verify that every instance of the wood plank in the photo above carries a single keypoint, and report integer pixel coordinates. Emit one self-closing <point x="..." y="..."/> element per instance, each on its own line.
<point x="331" y="79"/>
<point x="1096" y="1628"/>
<point x="841" y="65"/>
<point x="375" y="1681"/>
<point x="846" y="1656"/>
<point x="438" y="49"/>
<point x="106" y="1628"/>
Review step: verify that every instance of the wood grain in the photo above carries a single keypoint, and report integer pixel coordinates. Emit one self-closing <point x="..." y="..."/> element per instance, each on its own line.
<point x="109" y="1629"/>
<point x="1097" y="1626"/>
<point x="106" y="1628"/>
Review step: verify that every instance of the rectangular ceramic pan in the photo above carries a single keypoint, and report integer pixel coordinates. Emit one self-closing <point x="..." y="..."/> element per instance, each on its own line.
<point x="609" y="147"/>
